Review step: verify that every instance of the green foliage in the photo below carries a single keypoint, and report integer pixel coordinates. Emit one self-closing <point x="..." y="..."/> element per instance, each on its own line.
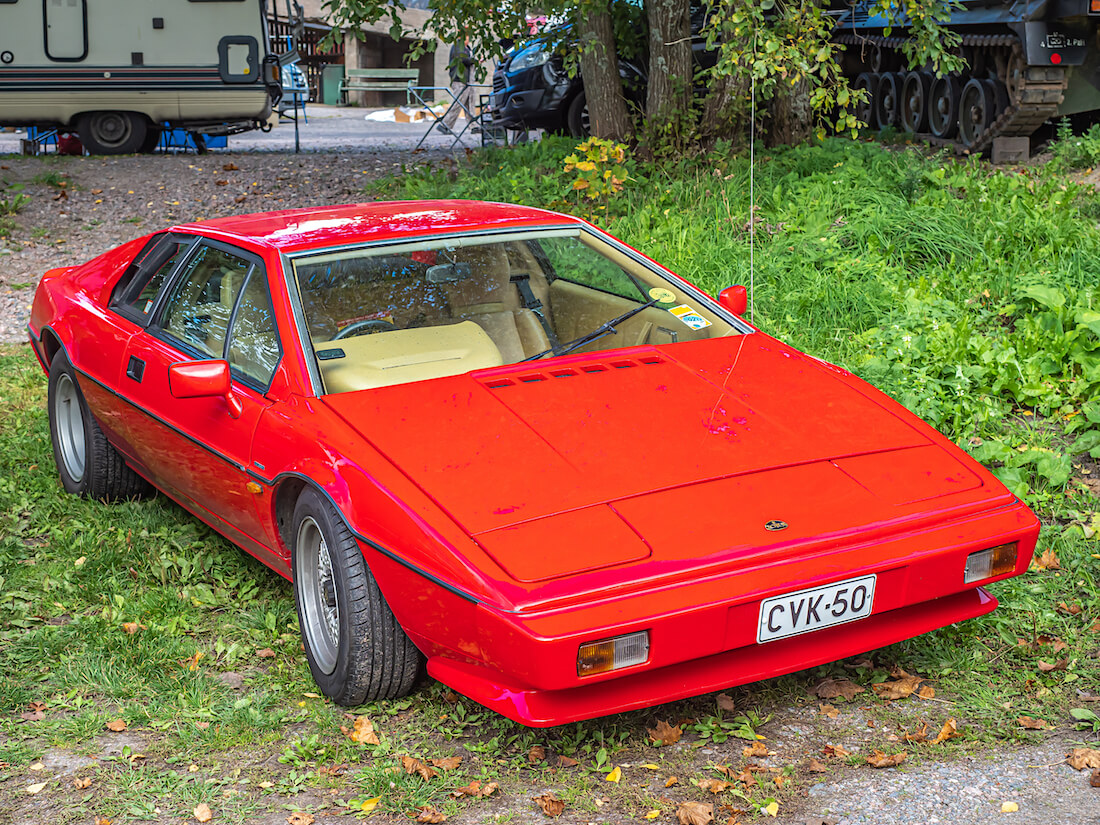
<point x="13" y="205"/>
<point x="1072" y="151"/>
<point x="600" y="169"/>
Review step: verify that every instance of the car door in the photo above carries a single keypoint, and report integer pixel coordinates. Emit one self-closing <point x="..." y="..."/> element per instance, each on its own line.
<point x="217" y="306"/>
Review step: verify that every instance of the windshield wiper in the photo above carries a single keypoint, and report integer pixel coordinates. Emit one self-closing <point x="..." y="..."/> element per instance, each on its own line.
<point x="600" y="331"/>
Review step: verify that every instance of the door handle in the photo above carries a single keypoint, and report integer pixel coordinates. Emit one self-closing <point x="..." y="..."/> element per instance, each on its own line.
<point x="135" y="369"/>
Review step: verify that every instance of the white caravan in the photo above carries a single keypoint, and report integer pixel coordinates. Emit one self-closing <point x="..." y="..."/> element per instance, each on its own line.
<point x="114" y="70"/>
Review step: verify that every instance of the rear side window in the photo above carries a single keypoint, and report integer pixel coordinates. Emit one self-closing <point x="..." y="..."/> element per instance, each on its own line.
<point x="137" y="292"/>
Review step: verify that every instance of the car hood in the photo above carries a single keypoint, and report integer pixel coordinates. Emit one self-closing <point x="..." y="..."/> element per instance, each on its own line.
<point x="582" y="462"/>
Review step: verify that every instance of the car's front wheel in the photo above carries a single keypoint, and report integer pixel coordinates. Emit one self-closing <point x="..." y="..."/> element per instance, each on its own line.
<point x="355" y="647"/>
<point x="87" y="463"/>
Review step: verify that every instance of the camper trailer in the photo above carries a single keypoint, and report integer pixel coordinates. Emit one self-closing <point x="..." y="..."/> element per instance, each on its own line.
<point x="114" y="71"/>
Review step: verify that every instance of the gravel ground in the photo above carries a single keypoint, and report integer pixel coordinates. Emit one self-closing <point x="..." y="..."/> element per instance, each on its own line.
<point x="110" y="200"/>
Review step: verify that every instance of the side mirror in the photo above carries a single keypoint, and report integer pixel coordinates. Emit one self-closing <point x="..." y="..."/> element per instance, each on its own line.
<point x="735" y="299"/>
<point x="204" y="379"/>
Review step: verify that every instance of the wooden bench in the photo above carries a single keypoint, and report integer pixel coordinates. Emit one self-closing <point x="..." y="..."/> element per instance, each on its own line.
<point x="378" y="80"/>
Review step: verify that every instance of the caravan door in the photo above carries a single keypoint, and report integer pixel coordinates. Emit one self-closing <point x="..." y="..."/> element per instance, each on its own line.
<point x="66" y="29"/>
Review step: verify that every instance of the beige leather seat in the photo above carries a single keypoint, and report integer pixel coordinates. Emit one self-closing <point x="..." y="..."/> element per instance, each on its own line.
<point x="493" y="302"/>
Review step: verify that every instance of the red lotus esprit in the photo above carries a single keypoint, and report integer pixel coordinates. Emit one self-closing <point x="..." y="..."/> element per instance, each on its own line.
<point x="499" y="439"/>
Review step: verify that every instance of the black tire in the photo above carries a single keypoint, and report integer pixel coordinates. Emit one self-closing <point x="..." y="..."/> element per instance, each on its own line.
<point x="88" y="465"/>
<point x="112" y="133"/>
<point x="355" y="647"/>
<point x="576" y="116"/>
<point x="152" y="140"/>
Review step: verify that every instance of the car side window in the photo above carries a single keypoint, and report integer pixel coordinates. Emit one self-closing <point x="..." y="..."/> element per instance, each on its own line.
<point x="145" y="298"/>
<point x="198" y="311"/>
<point x="254" y="341"/>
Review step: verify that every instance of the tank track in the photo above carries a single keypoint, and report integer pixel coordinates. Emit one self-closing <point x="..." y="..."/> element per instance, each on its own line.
<point x="1033" y="100"/>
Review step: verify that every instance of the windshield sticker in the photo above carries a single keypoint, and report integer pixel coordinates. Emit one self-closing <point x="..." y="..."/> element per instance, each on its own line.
<point x="690" y="317"/>
<point x="662" y="295"/>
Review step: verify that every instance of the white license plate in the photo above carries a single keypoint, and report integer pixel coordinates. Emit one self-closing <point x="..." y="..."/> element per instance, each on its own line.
<point x="807" y="610"/>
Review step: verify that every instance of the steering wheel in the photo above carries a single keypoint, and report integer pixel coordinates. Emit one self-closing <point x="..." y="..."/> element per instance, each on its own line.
<point x="372" y="324"/>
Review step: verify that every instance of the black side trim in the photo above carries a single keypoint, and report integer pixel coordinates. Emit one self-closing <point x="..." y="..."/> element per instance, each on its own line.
<point x="408" y="565"/>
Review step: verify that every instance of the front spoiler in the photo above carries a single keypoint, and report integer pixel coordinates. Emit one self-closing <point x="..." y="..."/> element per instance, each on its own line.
<point x="545" y="708"/>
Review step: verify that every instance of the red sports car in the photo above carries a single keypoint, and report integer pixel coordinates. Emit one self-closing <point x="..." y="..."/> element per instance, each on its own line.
<point x="499" y="440"/>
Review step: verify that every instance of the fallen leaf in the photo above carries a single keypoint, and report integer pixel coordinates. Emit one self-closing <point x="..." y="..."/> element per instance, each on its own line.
<point x="771" y="809"/>
<point x="832" y="688"/>
<point x="615" y="775"/>
<point x="230" y="167"/>
<point x="746" y="777"/>
<point x="1094" y="780"/>
<point x="117" y="725"/>
<point x="898" y="689"/>
<point x="536" y="754"/>
<point x="780" y="780"/>
<point x="672" y="780"/>
<point x="240" y="199"/>
<point x="132" y="627"/>
<point x="813" y="766"/>
<point x="829" y="711"/>
<point x="369" y="805"/>
<point x="332" y="770"/>
<point x="1047" y="667"/>
<point x="362" y="731"/>
<point x="918" y="736"/>
<point x="448" y="763"/>
<point x="203" y="813"/>
<point x="649" y="766"/>
<point x="82" y="782"/>
<point x="202" y="725"/>
<point x="1047" y="560"/>
<point x="1072" y="609"/>
<point x="102" y="820"/>
<point x="1081" y="758"/>
<point x="695" y="813"/>
<point x="835" y="751"/>
<point x="926" y="692"/>
<point x="757" y="749"/>
<point x="1009" y="807"/>
<point x="656" y="812"/>
<point x="36" y="788"/>
<point x="550" y="804"/>
<point x="665" y="734"/>
<point x="475" y="790"/>
<point x="429" y="814"/>
<point x="726" y="703"/>
<point x="415" y="766"/>
<point x="566" y="762"/>
<point x="221" y="183"/>
<point x="300" y="818"/>
<point x="881" y="760"/>
<point x="949" y="730"/>
<point x="32" y="716"/>
<point x="714" y="785"/>
<point x="266" y="653"/>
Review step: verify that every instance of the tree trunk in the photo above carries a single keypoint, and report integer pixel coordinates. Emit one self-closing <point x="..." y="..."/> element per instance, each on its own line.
<point x="668" y="97"/>
<point x="603" y="87"/>
<point x="791" y="115"/>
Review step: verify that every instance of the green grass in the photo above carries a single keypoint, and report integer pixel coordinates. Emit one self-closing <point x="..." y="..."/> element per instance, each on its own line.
<point x="967" y="293"/>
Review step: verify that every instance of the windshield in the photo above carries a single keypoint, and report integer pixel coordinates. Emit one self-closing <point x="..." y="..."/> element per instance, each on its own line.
<point x="444" y="306"/>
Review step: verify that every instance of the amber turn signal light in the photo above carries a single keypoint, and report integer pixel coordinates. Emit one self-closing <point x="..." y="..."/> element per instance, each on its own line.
<point x="1094" y="6"/>
<point x="994" y="561"/>
<point x="612" y="654"/>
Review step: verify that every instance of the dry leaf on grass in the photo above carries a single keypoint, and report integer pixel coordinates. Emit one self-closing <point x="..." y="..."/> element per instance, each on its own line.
<point x="1081" y="758"/>
<point x="36" y="788"/>
<point x="714" y="785"/>
<point x="266" y="653"/>
<point x="32" y="716"/>
<point x="475" y="790"/>
<point x="917" y="736"/>
<point x="881" y="760"/>
<point x="665" y="734"/>
<point x="1032" y="724"/>
<point x="566" y="762"/>
<point x="829" y="711"/>
<point x="102" y="820"/>
<point x="949" y="730"/>
<point x="117" y="725"/>
<point x="230" y="167"/>
<point x="448" y="763"/>
<point x="133" y="627"/>
<point x="926" y="692"/>
<point x="835" y="751"/>
<point x="1047" y="560"/>
<point x="757" y="749"/>
<point x="550" y="804"/>
<point x="1094" y="780"/>
<point x="672" y="780"/>
<point x="695" y="813"/>
<point x="82" y="782"/>
<point x="300" y="818"/>
<point x="813" y="766"/>
<point x="536" y="754"/>
<point x="614" y="775"/>
<point x="1072" y="609"/>
<point x="832" y="688"/>
<point x="362" y="731"/>
<point x="415" y="766"/>
<point x="726" y="703"/>
<point x="1047" y="667"/>
<point x="431" y="815"/>
<point x="203" y="813"/>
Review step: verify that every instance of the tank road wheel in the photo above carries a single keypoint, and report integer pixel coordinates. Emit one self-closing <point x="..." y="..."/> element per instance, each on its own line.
<point x="914" y="101"/>
<point x="112" y="133"/>
<point x="943" y="113"/>
<point x="887" y="101"/>
<point x="1015" y="77"/>
<point x="88" y="465"/>
<point x="356" y="650"/>
<point x="977" y="109"/>
<point x="869" y="83"/>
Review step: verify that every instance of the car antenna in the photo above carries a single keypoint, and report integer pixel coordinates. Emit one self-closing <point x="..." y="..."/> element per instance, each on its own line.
<point x="752" y="181"/>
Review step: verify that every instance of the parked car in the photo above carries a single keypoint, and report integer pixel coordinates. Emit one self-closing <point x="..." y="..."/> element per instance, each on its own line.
<point x="500" y="440"/>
